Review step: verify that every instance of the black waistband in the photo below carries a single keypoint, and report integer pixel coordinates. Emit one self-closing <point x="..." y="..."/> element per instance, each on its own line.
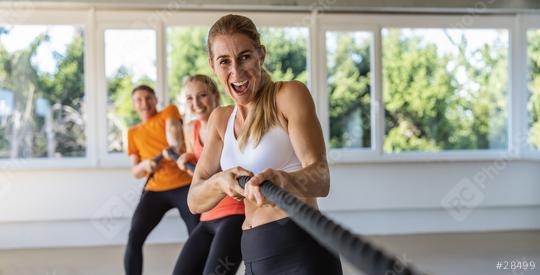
<point x="272" y="239"/>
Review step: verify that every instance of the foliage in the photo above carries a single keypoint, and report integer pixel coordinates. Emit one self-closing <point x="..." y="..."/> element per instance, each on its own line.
<point x="534" y="88"/>
<point x="429" y="107"/>
<point x="432" y="101"/>
<point x="349" y="92"/>
<point x="46" y="116"/>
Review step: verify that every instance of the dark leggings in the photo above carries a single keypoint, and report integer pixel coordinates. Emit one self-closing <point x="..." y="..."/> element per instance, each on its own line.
<point x="212" y="248"/>
<point x="149" y="212"/>
<point x="282" y="248"/>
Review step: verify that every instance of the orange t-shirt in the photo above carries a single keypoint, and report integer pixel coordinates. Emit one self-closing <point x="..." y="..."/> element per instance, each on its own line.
<point x="147" y="140"/>
<point x="227" y="206"/>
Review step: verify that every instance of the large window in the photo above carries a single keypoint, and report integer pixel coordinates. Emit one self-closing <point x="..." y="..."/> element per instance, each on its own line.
<point x="42" y="92"/>
<point x="349" y="88"/>
<point x="533" y="50"/>
<point x="445" y="89"/>
<point x="387" y="87"/>
<point x="130" y="60"/>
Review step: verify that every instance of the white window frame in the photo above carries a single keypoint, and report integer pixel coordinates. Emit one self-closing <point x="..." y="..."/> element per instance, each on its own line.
<point x="527" y="22"/>
<point x="95" y="22"/>
<point x="79" y="18"/>
<point x="121" y="21"/>
<point x="378" y="22"/>
<point x="329" y="24"/>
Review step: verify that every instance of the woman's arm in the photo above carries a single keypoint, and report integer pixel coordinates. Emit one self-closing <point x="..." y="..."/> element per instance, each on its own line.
<point x="296" y="105"/>
<point x="188" y="156"/>
<point x="188" y="136"/>
<point x="209" y="186"/>
<point x="174" y="134"/>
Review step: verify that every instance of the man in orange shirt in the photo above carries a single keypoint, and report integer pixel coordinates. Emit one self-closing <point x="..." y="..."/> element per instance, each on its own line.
<point x="169" y="185"/>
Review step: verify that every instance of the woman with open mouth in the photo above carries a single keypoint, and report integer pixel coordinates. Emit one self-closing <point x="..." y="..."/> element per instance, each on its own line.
<point x="270" y="133"/>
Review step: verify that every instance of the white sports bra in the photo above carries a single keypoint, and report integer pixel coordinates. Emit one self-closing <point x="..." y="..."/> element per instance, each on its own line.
<point x="274" y="151"/>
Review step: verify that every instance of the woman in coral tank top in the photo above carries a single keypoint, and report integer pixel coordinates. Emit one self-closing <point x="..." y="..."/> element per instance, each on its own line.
<point x="214" y="245"/>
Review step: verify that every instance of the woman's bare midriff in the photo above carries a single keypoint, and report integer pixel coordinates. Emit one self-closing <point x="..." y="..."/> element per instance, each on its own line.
<point x="256" y="216"/>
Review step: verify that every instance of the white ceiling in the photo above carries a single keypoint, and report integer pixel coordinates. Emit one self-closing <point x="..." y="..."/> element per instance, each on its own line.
<point x="445" y="6"/>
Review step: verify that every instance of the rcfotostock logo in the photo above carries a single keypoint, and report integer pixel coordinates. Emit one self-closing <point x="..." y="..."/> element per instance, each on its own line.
<point x="460" y="201"/>
<point x="224" y="266"/>
<point x="469" y="192"/>
<point x="157" y="17"/>
<point x="108" y="219"/>
<point x="16" y="13"/>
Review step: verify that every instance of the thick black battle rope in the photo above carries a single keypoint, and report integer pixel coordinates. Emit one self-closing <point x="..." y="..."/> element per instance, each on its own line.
<point x="359" y="252"/>
<point x="363" y="255"/>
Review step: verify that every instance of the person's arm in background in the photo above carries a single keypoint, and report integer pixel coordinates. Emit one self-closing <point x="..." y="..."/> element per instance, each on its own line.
<point x="188" y="136"/>
<point x="173" y="131"/>
<point x="139" y="168"/>
<point x="188" y="156"/>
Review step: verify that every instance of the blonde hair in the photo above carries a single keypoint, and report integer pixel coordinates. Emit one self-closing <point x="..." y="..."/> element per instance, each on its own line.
<point x="207" y="81"/>
<point x="264" y="115"/>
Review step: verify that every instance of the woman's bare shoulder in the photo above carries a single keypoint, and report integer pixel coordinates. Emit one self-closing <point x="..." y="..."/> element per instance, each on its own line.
<point x="293" y="96"/>
<point x="219" y="118"/>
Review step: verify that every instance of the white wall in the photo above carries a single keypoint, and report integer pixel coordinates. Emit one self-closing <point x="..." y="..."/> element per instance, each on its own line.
<point x="93" y="206"/>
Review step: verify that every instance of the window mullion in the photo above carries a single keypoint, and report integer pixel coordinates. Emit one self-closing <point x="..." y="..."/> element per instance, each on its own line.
<point x="320" y="83"/>
<point x="161" y="66"/>
<point x="518" y="128"/>
<point x="377" y="105"/>
<point x="91" y="97"/>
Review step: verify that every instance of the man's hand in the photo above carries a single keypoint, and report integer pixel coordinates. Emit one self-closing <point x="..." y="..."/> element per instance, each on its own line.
<point x="148" y="165"/>
<point x="167" y="155"/>
<point x="183" y="160"/>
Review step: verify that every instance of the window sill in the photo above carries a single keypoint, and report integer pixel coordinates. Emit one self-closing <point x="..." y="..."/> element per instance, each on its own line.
<point x="335" y="156"/>
<point x="533" y="155"/>
<point x="45" y="163"/>
<point x="110" y="161"/>
<point x="115" y="160"/>
<point x="352" y="156"/>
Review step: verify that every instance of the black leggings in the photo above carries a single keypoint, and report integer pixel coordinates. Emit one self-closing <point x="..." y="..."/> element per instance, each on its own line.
<point x="282" y="247"/>
<point x="212" y="248"/>
<point x="149" y="212"/>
